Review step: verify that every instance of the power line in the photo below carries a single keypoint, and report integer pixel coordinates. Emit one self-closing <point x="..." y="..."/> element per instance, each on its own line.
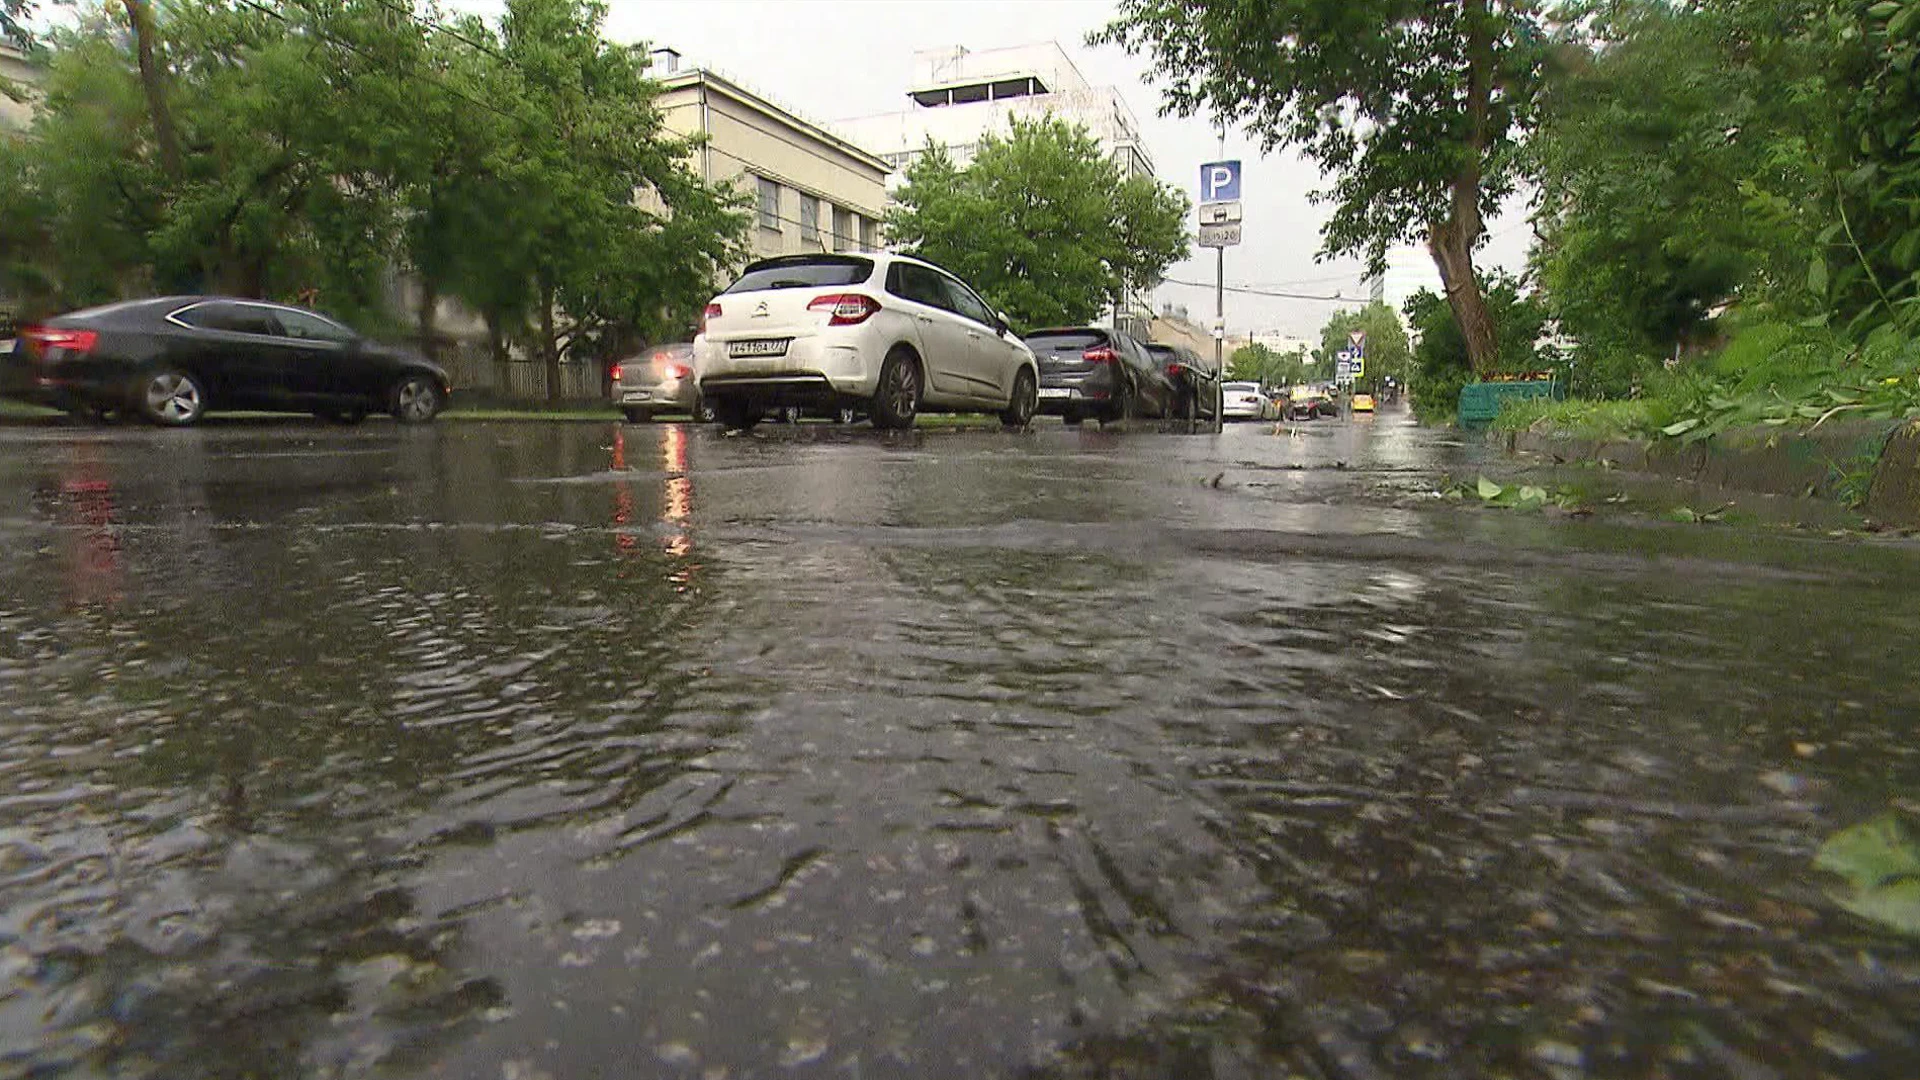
<point x="1244" y="291"/>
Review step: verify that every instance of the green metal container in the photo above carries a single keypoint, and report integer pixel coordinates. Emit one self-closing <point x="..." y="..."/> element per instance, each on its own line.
<point x="1482" y="401"/>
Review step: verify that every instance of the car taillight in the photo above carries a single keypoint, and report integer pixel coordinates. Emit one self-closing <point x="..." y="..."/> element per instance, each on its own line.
<point x="849" y="309"/>
<point x="1176" y="368"/>
<point x="47" y="337"/>
<point x="616" y="373"/>
<point x="713" y="312"/>
<point x="1100" y="355"/>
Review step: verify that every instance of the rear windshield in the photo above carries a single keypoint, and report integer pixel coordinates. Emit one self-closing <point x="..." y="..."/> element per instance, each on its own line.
<point x="1240" y="387"/>
<point x="1066" y="340"/>
<point x="808" y="272"/>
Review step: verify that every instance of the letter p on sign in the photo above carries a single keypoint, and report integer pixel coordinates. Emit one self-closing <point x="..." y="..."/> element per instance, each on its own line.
<point x="1220" y="181"/>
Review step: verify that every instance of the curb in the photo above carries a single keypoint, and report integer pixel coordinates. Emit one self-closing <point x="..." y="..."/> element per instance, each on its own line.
<point x="1871" y="465"/>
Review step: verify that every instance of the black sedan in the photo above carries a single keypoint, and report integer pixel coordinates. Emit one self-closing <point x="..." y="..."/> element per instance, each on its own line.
<point x="173" y="359"/>
<point x="1087" y="372"/>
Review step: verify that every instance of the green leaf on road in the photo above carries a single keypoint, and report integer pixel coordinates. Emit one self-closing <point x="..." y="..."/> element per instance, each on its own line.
<point x="1533" y="494"/>
<point x="1880" y="861"/>
<point x="1490" y="490"/>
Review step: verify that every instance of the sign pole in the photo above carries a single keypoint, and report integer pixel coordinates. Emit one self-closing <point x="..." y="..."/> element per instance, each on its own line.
<point x="1220" y="304"/>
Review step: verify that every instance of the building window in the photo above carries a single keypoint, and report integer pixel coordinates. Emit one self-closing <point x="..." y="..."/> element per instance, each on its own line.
<point x="843" y="235"/>
<point x="769" y="204"/>
<point x="809" y="218"/>
<point x="867" y="237"/>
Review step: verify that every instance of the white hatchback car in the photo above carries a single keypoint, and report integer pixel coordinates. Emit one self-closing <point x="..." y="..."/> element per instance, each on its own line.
<point x="886" y="335"/>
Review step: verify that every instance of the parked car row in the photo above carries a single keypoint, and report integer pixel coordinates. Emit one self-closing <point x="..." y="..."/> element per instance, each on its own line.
<point x="172" y="359"/>
<point x="886" y="337"/>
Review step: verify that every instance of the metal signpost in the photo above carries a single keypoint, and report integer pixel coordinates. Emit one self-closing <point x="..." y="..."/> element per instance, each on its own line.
<point x="1220" y="229"/>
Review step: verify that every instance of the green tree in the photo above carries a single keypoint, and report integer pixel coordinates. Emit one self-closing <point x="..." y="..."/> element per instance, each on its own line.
<point x="1041" y="223"/>
<point x="1417" y="110"/>
<point x="1387" y="352"/>
<point x="1255" y="362"/>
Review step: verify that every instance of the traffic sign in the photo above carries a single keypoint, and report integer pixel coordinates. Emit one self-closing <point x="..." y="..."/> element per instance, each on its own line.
<point x="1358" y="339"/>
<point x="1219" y="213"/>
<point x="1220" y="181"/>
<point x="1219" y="236"/>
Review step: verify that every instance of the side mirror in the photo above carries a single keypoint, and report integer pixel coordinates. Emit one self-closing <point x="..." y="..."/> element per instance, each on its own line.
<point x="1005" y="324"/>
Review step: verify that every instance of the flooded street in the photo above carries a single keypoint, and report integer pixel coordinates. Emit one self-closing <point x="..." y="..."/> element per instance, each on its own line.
<point x="581" y="750"/>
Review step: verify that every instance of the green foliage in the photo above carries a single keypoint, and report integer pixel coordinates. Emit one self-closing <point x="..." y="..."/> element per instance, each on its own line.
<point x="1255" y="362"/>
<point x="1758" y="153"/>
<point x="1041" y="222"/>
<point x="1441" y="365"/>
<point x="522" y="168"/>
<point x="13" y="23"/>
<point x="1387" y="349"/>
<point x="1583" y="419"/>
<point x="1879" y="860"/>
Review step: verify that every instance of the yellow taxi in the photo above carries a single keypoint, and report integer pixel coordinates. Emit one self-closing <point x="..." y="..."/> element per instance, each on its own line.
<point x="1362" y="403"/>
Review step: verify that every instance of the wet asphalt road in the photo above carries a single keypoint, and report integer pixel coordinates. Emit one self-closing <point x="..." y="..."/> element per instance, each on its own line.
<point x="573" y="750"/>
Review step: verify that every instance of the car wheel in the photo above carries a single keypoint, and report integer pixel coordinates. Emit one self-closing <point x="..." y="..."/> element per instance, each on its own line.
<point x="171" y="397"/>
<point x="1124" y="405"/>
<point x="897" y="400"/>
<point x="637" y="416"/>
<point x="1189" y="407"/>
<point x="734" y="415"/>
<point x="414" y="400"/>
<point x="1023" y="402"/>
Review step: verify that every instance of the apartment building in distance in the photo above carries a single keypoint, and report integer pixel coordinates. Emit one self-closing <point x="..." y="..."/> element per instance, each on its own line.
<point x="959" y="95"/>
<point x="812" y="189"/>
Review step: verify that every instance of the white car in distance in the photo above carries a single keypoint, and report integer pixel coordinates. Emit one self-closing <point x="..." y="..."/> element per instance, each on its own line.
<point x="887" y="335"/>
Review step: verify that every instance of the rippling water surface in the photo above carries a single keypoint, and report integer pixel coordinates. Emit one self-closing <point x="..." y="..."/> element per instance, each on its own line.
<point x="575" y="750"/>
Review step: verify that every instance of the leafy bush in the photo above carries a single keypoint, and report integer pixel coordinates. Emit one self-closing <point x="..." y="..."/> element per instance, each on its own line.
<point x="1440" y="363"/>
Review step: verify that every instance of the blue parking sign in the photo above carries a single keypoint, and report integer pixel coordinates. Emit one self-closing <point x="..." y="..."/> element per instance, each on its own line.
<point x="1220" y="181"/>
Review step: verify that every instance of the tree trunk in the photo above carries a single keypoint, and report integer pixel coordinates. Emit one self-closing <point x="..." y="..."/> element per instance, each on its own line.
<point x="1453" y="254"/>
<point x="1452" y="241"/>
<point x="549" y="344"/>
<point x="140" y="21"/>
<point x="429" y="316"/>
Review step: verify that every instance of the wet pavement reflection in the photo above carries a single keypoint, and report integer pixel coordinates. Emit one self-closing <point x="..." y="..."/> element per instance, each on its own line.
<point x="519" y="750"/>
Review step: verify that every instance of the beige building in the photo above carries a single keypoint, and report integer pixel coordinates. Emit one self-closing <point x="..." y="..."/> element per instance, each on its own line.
<point x="21" y="75"/>
<point x="811" y="189"/>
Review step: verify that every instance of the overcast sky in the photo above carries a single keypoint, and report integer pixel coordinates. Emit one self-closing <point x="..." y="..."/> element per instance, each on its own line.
<point x="831" y="59"/>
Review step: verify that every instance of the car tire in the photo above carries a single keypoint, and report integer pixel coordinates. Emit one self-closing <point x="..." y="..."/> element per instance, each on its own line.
<point x="733" y="414"/>
<point x="170" y="397"/>
<point x="1022" y="403"/>
<point x="896" y="401"/>
<point x="1188" y="411"/>
<point x="414" y="400"/>
<point x="637" y="416"/>
<point x="1125" y="404"/>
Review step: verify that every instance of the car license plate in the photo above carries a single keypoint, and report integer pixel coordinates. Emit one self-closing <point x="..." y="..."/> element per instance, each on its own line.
<point x="761" y="347"/>
<point x="1051" y="392"/>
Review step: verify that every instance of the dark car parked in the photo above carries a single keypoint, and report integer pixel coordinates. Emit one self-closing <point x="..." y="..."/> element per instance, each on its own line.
<point x="172" y="359"/>
<point x="1195" y="381"/>
<point x="1090" y="373"/>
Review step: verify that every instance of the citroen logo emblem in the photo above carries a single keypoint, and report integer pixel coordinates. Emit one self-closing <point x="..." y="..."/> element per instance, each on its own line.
<point x="761" y="311"/>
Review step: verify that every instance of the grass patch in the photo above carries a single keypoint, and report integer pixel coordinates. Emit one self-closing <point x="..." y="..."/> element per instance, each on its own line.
<point x="20" y="410"/>
<point x="1581" y="419"/>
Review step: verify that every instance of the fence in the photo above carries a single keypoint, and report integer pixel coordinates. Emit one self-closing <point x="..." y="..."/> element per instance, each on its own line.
<point x="476" y="374"/>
